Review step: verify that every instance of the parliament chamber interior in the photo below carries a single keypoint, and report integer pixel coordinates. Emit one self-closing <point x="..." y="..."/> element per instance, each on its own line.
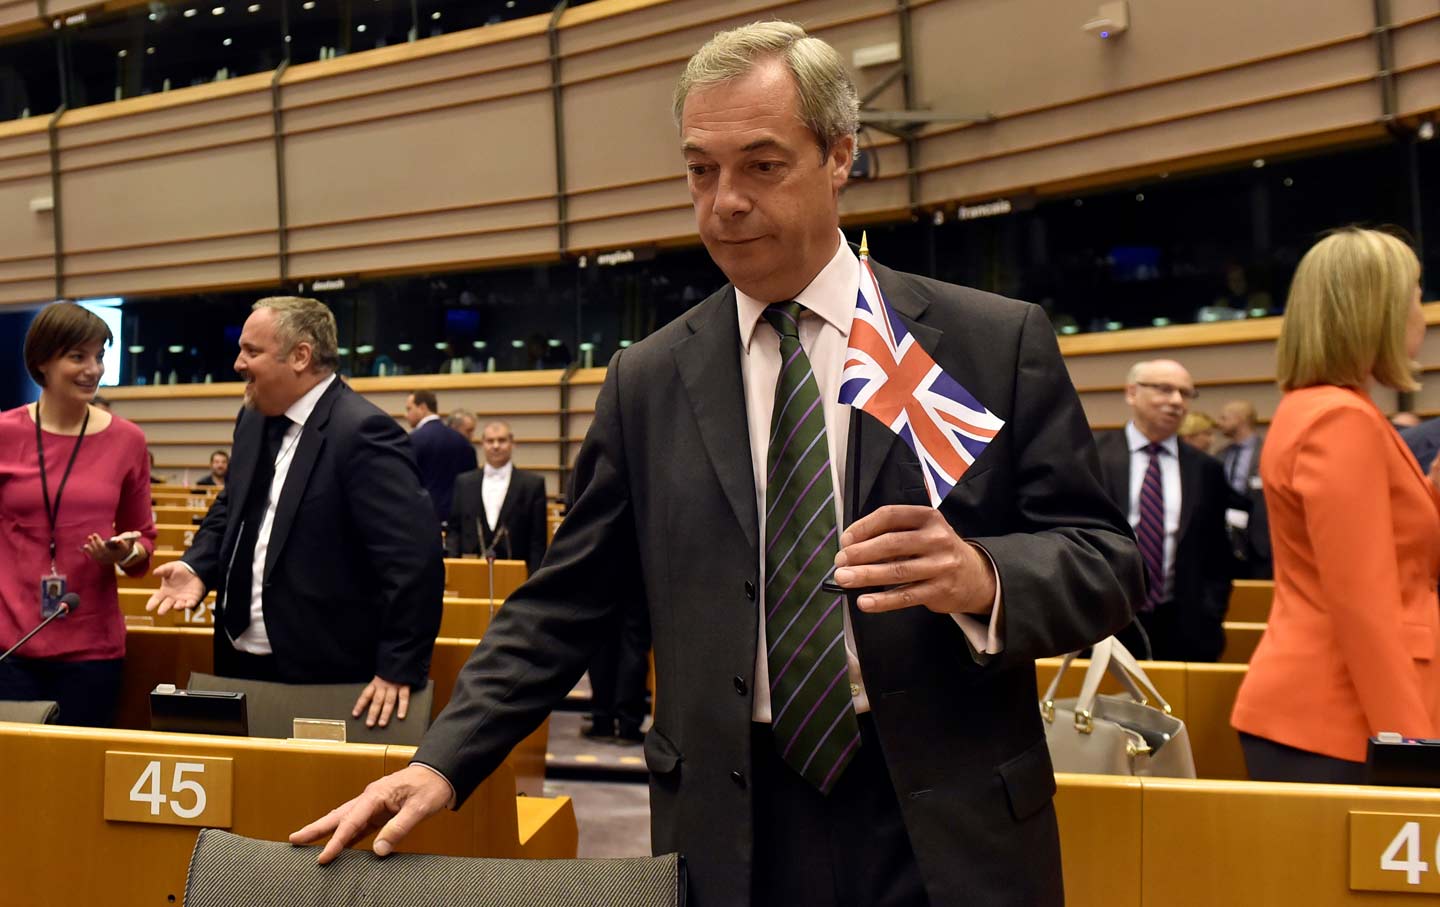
<point x="491" y="203"/>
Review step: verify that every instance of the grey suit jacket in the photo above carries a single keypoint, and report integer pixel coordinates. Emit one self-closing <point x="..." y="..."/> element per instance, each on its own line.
<point x="665" y="509"/>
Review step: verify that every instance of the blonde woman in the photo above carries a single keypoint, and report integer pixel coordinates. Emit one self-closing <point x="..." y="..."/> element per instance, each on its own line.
<point x="1198" y="430"/>
<point x="1351" y="646"/>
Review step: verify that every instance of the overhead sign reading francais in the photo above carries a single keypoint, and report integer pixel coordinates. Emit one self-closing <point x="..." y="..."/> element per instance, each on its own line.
<point x="989" y="209"/>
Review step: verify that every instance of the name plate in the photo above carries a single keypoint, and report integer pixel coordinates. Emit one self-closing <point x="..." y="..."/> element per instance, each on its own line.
<point x="166" y="789"/>
<point x="1395" y="852"/>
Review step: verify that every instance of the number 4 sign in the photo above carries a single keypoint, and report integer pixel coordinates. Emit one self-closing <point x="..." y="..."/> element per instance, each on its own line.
<point x="1394" y="852"/>
<point x="167" y="789"/>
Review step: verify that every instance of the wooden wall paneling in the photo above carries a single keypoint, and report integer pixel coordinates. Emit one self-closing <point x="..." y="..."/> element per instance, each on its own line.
<point x="1002" y="56"/>
<point x="1418" y="44"/>
<point x="27" y="239"/>
<point x="1418" y="92"/>
<point x="19" y="14"/>
<point x="668" y="190"/>
<point x="639" y="228"/>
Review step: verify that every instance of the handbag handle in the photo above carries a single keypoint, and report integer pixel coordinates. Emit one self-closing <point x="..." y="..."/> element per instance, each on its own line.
<point x="1108" y="655"/>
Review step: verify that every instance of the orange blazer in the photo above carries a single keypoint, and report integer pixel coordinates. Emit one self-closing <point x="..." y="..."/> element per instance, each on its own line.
<point x="1350" y="648"/>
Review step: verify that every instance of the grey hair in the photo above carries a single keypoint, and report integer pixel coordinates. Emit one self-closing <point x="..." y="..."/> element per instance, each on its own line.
<point x="302" y="320"/>
<point x="459" y="415"/>
<point x="1133" y="377"/>
<point x="829" y="105"/>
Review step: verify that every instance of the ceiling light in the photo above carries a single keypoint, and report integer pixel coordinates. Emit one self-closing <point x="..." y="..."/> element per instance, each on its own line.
<point x="1069" y="329"/>
<point x="1259" y="312"/>
<point x="586" y="347"/>
<point x="154" y="17"/>
<point x="1258" y="163"/>
<point x="553" y="343"/>
<point x="404" y="347"/>
<point x="177" y="348"/>
<point x="227" y="42"/>
<point x="625" y="344"/>
<point x="1159" y="322"/>
<point x="360" y="29"/>
<point x="1425" y="131"/>
<point x="308" y="4"/>
<point x="150" y="51"/>
<point x="343" y="351"/>
<point x="509" y="4"/>
<point x="136" y="348"/>
<point x="435" y="15"/>
<point x="1288" y="182"/>
<point x="479" y="344"/>
<point x="1113" y="325"/>
<point x="365" y="349"/>
<point x="518" y="344"/>
<point x="218" y="11"/>
<point x="121" y="54"/>
<point x="190" y="13"/>
<point x="253" y="8"/>
<point x="1139" y="196"/>
<point x="440" y="345"/>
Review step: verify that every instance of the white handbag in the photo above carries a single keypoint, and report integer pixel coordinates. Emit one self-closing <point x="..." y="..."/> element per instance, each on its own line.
<point x="1114" y="734"/>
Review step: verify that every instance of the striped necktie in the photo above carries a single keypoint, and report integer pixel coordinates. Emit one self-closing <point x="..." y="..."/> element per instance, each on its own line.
<point x="812" y="714"/>
<point x="1151" y="531"/>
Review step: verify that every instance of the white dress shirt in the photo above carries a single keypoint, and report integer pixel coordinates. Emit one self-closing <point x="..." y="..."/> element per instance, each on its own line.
<point x="493" y="489"/>
<point x="829" y="303"/>
<point x="255" y="640"/>
<point x="1169" y="486"/>
<point x="430" y="418"/>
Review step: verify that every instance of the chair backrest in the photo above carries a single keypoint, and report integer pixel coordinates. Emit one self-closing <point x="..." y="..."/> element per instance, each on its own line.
<point x="36" y="712"/>
<point x="273" y="707"/>
<point x="228" y="869"/>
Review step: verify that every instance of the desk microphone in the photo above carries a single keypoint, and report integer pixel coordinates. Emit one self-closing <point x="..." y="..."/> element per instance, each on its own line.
<point x="69" y="602"/>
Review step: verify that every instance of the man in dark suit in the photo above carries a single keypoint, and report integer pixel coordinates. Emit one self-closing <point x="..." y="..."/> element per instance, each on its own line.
<point x="441" y="453"/>
<point x="932" y="783"/>
<point x="1249" y="525"/>
<point x="1424" y="442"/>
<point x="322" y="547"/>
<point x="499" y="496"/>
<point x="1175" y="496"/>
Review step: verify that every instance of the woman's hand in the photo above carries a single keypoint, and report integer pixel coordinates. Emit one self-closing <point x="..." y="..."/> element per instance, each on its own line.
<point x="107" y="551"/>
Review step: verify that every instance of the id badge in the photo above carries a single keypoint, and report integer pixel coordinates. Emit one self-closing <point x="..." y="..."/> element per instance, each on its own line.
<point x="52" y="589"/>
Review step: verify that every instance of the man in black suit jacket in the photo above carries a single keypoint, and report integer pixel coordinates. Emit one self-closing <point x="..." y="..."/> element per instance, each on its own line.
<point x="517" y="498"/>
<point x="1188" y="594"/>
<point x="1249" y="526"/>
<point x="948" y="797"/>
<point x="322" y="549"/>
<point x="441" y="453"/>
<point x="1423" y="441"/>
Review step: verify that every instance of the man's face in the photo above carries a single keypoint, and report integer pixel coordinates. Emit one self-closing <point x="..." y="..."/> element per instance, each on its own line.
<point x="1160" y="398"/>
<point x="219" y="465"/>
<point x="272" y="377"/>
<point x="766" y="200"/>
<point x="466" y="427"/>
<point x="414" y="412"/>
<point x="497" y="442"/>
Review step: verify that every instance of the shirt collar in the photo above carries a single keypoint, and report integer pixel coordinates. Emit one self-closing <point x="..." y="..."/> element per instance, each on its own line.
<point x="493" y="472"/>
<point x="430" y="418"/>
<point x="299" y="411"/>
<point x="1138" y="442"/>
<point x="831" y="295"/>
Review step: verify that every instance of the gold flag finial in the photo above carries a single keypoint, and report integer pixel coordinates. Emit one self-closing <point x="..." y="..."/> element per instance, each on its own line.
<point x="864" y="245"/>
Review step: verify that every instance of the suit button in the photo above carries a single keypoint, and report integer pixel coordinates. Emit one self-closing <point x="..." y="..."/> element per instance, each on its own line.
<point x="749" y="590"/>
<point x="740" y="687"/>
<point x="738" y="778"/>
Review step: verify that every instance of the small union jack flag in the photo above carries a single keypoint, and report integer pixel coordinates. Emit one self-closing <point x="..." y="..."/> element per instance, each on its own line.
<point x="890" y="377"/>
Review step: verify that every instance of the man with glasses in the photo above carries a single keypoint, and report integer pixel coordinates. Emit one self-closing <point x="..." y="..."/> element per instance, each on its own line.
<point x="1175" y="496"/>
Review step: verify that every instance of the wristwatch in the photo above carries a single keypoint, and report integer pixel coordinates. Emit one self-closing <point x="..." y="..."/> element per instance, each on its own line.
<point x="137" y="553"/>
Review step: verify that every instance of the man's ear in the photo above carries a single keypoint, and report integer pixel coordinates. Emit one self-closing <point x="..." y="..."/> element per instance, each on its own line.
<point x="839" y="160"/>
<point x="301" y="356"/>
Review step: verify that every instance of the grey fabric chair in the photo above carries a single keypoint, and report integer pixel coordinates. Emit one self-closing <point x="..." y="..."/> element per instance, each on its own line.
<point x="272" y="708"/>
<point x="32" y="712"/>
<point x="228" y="870"/>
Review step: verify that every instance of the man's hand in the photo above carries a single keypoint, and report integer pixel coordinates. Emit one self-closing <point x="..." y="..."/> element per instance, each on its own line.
<point x="179" y="588"/>
<point x="915" y="551"/>
<point x="382" y="698"/>
<point x="397" y="802"/>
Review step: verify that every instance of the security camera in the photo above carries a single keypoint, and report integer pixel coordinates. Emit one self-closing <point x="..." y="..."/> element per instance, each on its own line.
<point x="1111" y="20"/>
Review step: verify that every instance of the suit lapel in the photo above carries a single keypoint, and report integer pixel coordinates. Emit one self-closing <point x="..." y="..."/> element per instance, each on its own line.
<point x="1189" y="486"/>
<point x="709" y="365"/>
<point x="307" y="451"/>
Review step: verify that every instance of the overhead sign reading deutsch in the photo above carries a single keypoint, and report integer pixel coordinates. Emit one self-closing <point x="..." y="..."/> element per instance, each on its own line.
<point x="322" y="286"/>
<point x="989" y="209"/>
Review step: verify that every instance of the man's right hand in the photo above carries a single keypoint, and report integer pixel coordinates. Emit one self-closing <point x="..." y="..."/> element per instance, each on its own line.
<point x="395" y="804"/>
<point x="179" y="588"/>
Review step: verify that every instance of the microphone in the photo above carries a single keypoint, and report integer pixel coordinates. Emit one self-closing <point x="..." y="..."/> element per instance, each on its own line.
<point x="68" y="602"/>
<point x="503" y="533"/>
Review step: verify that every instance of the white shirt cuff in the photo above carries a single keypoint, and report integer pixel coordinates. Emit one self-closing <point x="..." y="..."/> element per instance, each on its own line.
<point x="984" y="636"/>
<point x="441" y="775"/>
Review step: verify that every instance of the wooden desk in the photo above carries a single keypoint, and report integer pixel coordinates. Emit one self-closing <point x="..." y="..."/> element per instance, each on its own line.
<point x="183" y="515"/>
<point x="1241" y="638"/>
<point x="65" y="851"/>
<point x="465" y="618"/>
<point x="470" y="578"/>
<point x="1250" y="600"/>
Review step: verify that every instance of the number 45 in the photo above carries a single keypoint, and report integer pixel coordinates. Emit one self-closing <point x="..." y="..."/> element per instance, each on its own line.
<point x="178" y="784"/>
<point x="1411" y="865"/>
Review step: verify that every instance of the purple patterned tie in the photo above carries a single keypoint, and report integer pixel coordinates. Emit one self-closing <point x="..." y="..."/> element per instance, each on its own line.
<point x="1151" y="531"/>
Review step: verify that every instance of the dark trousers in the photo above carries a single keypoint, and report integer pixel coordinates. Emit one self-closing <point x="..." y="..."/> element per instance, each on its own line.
<point x="86" y="691"/>
<point x="1266" y="760"/>
<point x="848" y="849"/>
<point x="231" y="662"/>
<point x="618" y="672"/>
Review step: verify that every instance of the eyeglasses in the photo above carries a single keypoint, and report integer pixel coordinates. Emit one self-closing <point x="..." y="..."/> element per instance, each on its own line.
<point x="1165" y="390"/>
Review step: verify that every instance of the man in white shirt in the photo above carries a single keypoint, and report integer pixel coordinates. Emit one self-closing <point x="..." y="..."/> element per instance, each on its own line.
<point x="498" y="504"/>
<point x="321" y="549"/>
<point x="1175" y="497"/>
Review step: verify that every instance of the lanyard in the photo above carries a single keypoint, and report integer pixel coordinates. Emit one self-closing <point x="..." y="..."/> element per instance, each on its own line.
<point x="53" y="513"/>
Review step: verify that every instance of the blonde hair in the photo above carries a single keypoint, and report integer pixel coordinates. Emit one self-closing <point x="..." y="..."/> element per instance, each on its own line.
<point x="829" y="105"/>
<point x="302" y="320"/>
<point x="1347" y="313"/>
<point x="1195" y="423"/>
